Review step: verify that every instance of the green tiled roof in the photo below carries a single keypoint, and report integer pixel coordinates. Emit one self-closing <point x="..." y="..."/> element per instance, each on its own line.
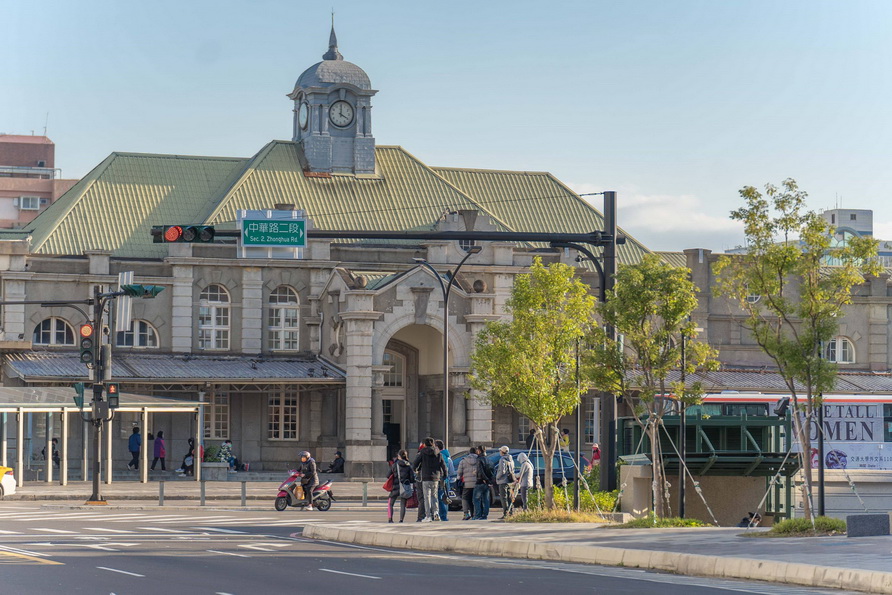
<point x="115" y="205"/>
<point x="536" y="202"/>
<point x="676" y="259"/>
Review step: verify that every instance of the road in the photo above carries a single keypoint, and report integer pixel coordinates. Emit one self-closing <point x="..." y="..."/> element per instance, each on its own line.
<point x="168" y="552"/>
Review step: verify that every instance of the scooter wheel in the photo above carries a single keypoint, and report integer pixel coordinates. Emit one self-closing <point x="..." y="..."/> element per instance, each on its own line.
<point x="281" y="503"/>
<point x="323" y="504"/>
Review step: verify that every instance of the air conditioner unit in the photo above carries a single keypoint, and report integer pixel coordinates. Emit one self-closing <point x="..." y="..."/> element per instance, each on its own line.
<point x="41" y="164"/>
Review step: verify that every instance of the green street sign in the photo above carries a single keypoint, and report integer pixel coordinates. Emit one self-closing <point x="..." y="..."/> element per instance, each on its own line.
<point x="272" y="232"/>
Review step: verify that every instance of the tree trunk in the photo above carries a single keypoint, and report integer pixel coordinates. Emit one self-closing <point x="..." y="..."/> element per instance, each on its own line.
<point x="654" y="435"/>
<point x="549" y="444"/>
<point x="801" y="432"/>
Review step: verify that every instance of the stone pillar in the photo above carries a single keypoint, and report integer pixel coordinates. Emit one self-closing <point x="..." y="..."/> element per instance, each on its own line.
<point x="252" y="310"/>
<point x="458" y="407"/>
<point x="479" y="420"/>
<point x="14" y="314"/>
<point x="378" y="402"/>
<point x="181" y="309"/>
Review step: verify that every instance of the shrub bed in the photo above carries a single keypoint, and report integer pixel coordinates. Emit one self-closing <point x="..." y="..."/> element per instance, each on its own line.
<point x="554" y="516"/>
<point x="824" y="526"/>
<point x="649" y="522"/>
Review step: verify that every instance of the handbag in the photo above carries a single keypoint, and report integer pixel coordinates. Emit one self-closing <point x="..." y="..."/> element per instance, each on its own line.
<point x="388" y="485"/>
<point x="407" y="490"/>
<point x="412" y="501"/>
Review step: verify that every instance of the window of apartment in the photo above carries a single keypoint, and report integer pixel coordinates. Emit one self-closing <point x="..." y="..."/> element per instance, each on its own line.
<point x="839" y="350"/>
<point x="53" y="331"/>
<point x="29" y="203"/>
<point x="141" y="335"/>
<point x="591" y="420"/>
<point x="283" y="415"/>
<point x="853" y="217"/>
<point x="216" y="416"/>
<point x="523" y="428"/>
<point x="284" y="319"/>
<point x="213" y="318"/>
<point x="395" y="377"/>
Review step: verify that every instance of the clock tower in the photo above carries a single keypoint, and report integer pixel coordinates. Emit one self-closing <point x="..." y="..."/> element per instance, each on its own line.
<point x="333" y="115"/>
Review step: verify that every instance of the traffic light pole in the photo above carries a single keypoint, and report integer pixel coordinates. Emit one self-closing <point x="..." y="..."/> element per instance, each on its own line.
<point x="99" y="411"/>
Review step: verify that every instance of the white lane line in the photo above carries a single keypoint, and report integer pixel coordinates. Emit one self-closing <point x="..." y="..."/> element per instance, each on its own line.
<point x="121" y="571"/>
<point x="162" y="529"/>
<point x="263" y="547"/>
<point x="228" y="553"/>
<point x="107" y="530"/>
<point x="220" y="530"/>
<point x="52" y="530"/>
<point x="16" y="550"/>
<point x="9" y="532"/>
<point x="349" y="573"/>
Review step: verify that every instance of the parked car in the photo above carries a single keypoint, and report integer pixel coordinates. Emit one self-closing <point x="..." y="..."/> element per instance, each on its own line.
<point x="7" y="482"/>
<point x="564" y="469"/>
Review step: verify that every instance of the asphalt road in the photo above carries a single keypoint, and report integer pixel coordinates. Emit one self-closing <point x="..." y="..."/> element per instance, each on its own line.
<point x="168" y="552"/>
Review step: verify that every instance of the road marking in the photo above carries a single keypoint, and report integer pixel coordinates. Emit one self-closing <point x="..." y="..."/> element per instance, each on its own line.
<point x="220" y="530"/>
<point x="19" y="558"/>
<point x="263" y="547"/>
<point x="9" y="532"/>
<point x="16" y="550"/>
<point x="228" y="553"/>
<point x="161" y="529"/>
<point x="108" y="530"/>
<point x="349" y="573"/>
<point x="52" y="530"/>
<point x="121" y="571"/>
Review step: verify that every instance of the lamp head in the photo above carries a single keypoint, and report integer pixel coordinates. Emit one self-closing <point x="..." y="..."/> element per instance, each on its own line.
<point x="475" y="249"/>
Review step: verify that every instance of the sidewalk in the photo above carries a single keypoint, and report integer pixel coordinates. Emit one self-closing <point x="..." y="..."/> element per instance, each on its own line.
<point x="861" y="564"/>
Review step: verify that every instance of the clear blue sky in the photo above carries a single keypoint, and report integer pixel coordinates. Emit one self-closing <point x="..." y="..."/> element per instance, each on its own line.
<point x="676" y="105"/>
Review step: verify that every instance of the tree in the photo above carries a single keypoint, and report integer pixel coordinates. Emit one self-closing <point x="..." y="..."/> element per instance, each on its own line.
<point x="800" y="296"/>
<point x="528" y="363"/>
<point x="650" y="310"/>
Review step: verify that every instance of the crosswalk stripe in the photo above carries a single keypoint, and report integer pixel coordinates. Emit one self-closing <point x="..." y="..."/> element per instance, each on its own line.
<point x="9" y="532"/>
<point x="52" y="530"/>
<point x="162" y="529"/>
<point x="106" y="530"/>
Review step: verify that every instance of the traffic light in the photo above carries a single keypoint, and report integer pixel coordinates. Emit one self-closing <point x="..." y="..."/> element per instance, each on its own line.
<point x="79" y="388"/>
<point x="141" y="291"/>
<point x="87" y="352"/>
<point x="112" y="395"/>
<point x="201" y="234"/>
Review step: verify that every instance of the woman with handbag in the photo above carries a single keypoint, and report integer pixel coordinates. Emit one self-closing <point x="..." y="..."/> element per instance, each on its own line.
<point x="403" y="485"/>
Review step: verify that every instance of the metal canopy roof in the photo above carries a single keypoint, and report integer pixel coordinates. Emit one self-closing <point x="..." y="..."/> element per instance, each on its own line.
<point x="34" y="399"/>
<point x="36" y="366"/>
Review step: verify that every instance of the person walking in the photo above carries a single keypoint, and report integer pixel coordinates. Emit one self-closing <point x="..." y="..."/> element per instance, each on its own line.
<point x="430" y="465"/>
<point x="133" y="445"/>
<point x="481" y="490"/>
<point x="403" y="480"/>
<point x="505" y="478"/>
<point x="160" y="451"/>
<point x="446" y="483"/>
<point x="524" y="478"/>
<point x="467" y="476"/>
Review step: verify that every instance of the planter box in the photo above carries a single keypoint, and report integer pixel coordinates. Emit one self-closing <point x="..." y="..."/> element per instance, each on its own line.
<point x="215" y="471"/>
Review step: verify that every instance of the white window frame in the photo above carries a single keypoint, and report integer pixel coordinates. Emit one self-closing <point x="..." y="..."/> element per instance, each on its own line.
<point x="214" y="319"/>
<point x="283" y="322"/>
<point x="216" y="416"/>
<point x="839" y="346"/>
<point x="33" y="203"/>
<point x="142" y="335"/>
<point x="523" y="428"/>
<point x="590" y="411"/>
<point x="396" y="376"/>
<point x="56" y="325"/>
<point x="283" y="416"/>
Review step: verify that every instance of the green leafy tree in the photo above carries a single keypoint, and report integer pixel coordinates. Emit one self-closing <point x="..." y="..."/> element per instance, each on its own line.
<point x="529" y="362"/>
<point x="801" y="297"/>
<point x="650" y="309"/>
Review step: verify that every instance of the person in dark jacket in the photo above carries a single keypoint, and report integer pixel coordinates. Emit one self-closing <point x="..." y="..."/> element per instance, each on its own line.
<point x="485" y="476"/>
<point x="337" y="465"/>
<point x="531" y="438"/>
<point x="429" y="464"/>
<point x="133" y="445"/>
<point x="403" y="475"/>
<point x="309" y="477"/>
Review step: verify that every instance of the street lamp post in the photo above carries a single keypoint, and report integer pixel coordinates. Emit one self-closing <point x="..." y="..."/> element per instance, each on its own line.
<point x="446" y="288"/>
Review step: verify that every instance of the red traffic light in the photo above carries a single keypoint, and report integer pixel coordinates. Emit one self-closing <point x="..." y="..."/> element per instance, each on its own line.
<point x="86" y="330"/>
<point x="173" y="233"/>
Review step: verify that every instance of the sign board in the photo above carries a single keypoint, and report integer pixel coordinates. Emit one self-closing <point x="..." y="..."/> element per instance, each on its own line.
<point x="270" y="232"/>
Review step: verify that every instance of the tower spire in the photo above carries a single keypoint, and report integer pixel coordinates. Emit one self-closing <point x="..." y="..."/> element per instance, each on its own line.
<point x="332" y="53"/>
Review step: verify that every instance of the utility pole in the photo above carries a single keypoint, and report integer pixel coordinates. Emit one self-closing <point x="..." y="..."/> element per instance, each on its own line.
<point x="608" y="401"/>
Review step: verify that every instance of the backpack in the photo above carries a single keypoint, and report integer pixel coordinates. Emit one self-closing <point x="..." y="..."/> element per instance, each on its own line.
<point x="509" y="473"/>
<point x="484" y="472"/>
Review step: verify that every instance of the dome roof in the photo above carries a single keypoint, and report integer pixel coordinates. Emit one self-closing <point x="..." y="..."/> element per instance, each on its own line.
<point x="330" y="72"/>
<point x="334" y="69"/>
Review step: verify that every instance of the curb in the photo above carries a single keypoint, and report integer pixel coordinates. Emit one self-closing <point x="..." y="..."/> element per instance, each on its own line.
<point x="793" y="573"/>
<point x="216" y="507"/>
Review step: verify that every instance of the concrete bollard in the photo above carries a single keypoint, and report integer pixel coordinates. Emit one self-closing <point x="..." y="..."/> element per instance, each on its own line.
<point x="867" y="525"/>
<point x="244" y="493"/>
<point x="161" y="493"/>
<point x="201" y="492"/>
<point x="365" y="493"/>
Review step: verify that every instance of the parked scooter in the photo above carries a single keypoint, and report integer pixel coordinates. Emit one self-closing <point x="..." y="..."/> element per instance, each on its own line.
<point x="322" y="496"/>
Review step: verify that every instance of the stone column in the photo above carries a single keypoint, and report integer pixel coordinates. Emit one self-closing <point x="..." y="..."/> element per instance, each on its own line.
<point x="378" y="402"/>
<point x="458" y="408"/>
<point x="252" y="309"/>
<point x="181" y="309"/>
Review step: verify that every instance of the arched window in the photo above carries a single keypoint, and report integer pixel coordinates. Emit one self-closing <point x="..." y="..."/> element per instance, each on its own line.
<point x="284" y="319"/>
<point x="53" y="331"/>
<point x="213" y="318"/>
<point x="141" y="334"/>
<point x="839" y="350"/>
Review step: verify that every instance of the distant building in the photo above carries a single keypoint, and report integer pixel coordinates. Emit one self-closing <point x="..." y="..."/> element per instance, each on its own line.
<point x="29" y="180"/>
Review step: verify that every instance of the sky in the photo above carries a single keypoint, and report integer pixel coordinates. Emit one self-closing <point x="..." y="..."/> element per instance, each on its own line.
<point x="675" y="105"/>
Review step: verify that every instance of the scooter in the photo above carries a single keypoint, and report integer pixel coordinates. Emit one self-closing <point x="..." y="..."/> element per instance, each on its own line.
<point x="322" y="495"/>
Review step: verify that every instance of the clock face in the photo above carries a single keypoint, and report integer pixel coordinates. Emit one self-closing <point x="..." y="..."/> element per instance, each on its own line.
<point x="341" y="113"/>
<point x="303" y="115"/>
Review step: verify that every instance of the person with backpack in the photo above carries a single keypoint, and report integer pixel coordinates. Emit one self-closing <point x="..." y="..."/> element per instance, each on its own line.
<point x="524" y="478"/>
<point x="403" y="485"/>
<point x="467" y="477"/>
<point x="481" y="489"/>
<point x="446" y="482"/>
<point x="430" y="465"/>
<point x="505" y="478"/>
